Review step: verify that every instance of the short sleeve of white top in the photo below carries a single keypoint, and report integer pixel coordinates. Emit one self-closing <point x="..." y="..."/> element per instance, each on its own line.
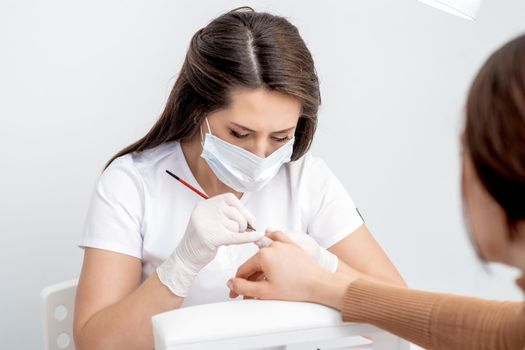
<point x="139" y="210"/>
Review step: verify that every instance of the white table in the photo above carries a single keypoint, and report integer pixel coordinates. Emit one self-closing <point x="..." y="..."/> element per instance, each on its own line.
<point x="247" y="324"/>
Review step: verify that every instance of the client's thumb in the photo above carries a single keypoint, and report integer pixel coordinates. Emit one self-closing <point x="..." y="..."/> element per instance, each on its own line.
<point x="240" y="286"/>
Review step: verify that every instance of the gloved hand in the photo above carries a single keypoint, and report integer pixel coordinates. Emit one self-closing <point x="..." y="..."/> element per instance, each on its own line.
<point x="326" y="259"/>
<point x="221" y="220"/>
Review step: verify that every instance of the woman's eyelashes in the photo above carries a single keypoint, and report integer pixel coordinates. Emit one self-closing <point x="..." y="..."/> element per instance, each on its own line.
<point x="242" y="136"/>
<point x="282" y="139"/>
<point x="238" y="135"/>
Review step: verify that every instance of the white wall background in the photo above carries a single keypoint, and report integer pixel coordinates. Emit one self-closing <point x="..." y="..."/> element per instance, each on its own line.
<point x="79" y="80"/>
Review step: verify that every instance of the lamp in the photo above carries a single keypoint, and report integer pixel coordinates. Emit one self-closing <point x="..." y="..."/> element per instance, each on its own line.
<point x="463" y="8"/>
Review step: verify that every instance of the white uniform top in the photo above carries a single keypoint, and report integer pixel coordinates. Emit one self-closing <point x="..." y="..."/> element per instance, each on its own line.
<point x="139" y="210"/>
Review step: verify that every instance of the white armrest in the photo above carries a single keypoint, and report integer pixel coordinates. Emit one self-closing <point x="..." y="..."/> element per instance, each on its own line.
<point x="243" y="324"/>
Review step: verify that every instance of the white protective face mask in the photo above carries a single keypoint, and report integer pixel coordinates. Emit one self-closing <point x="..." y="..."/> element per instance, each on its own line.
<point x="239" y="169"/>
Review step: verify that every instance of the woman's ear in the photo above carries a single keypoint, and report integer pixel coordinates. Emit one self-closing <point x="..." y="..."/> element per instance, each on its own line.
<point x="519" y="232"/>
<point x="517" y="242"/>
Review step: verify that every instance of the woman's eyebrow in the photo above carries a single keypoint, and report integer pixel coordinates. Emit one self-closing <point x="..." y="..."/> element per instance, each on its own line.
<point x="242" y="127"/>
<point x="273" y="132"/>
<point x="283" y="131"/>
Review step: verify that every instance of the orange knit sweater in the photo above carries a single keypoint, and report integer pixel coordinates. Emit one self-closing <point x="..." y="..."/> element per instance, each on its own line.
<point x="437" y="321"/>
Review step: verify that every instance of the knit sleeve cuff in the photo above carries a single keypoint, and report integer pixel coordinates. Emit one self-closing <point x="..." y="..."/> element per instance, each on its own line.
<point x="401" y="311"/>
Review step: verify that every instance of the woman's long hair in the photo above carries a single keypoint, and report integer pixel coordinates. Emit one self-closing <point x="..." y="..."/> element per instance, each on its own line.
<point x="240" y="49"/>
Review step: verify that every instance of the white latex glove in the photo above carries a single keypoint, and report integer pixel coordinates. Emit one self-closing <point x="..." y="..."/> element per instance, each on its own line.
<point x="220" y="220"/>
<point x="326" y="259"/>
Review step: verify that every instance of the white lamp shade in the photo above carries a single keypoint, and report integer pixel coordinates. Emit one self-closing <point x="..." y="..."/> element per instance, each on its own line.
<point x="463" y="8"/>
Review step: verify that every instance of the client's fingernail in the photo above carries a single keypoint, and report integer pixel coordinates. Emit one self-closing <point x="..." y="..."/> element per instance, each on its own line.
<point x="259" y="243"/>
<point x="264" y="242"/>
<point x="230" y="285"/>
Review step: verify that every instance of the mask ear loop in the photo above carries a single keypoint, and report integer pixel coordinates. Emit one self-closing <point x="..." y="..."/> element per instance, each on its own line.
<point x="208" y="124"/>
<point x="202" y="134"/>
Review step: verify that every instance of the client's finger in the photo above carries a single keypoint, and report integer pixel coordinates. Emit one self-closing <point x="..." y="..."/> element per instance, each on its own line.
<point x="257" y="276"/>
<point x="279" y="236"/>
<point x="247" y="288"/>
<point x="263" y="242"/>
<point x="250" y="266"/>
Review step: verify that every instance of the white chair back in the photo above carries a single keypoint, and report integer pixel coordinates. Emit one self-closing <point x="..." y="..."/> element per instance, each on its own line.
<point x="59" y="302"/>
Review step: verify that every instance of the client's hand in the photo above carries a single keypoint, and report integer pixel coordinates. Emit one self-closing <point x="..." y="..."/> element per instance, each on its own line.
<point x="324" y="258"/>
<point x="290" y="274"/>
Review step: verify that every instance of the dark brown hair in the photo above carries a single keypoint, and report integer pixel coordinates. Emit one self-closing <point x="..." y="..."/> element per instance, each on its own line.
<point x="240" y="49"/>
<point x="495" y="128"/>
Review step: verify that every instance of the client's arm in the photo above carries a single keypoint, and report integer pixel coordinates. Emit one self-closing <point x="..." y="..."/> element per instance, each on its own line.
<point x="431" y="320"/>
